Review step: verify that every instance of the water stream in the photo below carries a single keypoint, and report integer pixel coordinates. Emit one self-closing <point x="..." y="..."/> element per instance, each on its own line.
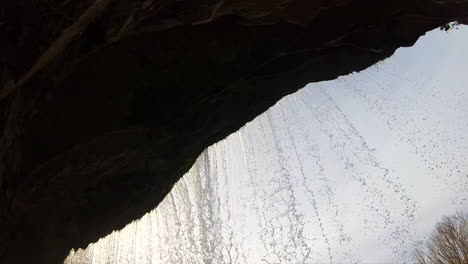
<point x="355" y="170"/>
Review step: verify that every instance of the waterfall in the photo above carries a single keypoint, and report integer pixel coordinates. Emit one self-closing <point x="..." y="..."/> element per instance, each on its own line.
<point x="355" y="170"/>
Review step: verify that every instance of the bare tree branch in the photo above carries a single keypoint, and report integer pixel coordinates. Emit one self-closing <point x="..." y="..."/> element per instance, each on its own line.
<point x="448" y="244"/>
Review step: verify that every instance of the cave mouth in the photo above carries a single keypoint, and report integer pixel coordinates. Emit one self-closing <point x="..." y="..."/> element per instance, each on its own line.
<point x="356" y="169"/>
<point x="106" y="104"/>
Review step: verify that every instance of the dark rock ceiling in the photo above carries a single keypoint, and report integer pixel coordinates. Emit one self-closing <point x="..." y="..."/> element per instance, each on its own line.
<point x="104" y="104"/>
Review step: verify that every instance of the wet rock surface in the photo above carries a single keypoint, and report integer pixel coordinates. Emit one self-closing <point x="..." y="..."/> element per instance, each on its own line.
<point x="105" y="104"/>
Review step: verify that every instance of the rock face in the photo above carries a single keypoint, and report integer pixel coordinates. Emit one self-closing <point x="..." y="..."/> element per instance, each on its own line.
<point x="106" y="103"/>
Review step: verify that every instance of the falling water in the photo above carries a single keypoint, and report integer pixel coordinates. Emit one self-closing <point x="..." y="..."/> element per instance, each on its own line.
<point x="349" y="171"/>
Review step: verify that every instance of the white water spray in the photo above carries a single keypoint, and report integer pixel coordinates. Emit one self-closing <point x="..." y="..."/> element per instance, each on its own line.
<point x="355" y="170"/>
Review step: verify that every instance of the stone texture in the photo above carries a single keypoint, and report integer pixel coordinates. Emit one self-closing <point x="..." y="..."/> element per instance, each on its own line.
<point x="95" y="130"/>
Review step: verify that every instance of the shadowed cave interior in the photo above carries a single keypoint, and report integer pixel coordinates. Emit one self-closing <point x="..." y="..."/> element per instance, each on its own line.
<point x="105" y="104"/>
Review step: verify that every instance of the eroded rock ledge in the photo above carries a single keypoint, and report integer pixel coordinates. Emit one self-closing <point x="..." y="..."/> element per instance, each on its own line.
<point x="106" y="103"/>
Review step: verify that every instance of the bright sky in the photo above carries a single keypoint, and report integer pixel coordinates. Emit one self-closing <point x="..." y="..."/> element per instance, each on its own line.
<point x="355" y="170"/>
<point x="412" y="109"/>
